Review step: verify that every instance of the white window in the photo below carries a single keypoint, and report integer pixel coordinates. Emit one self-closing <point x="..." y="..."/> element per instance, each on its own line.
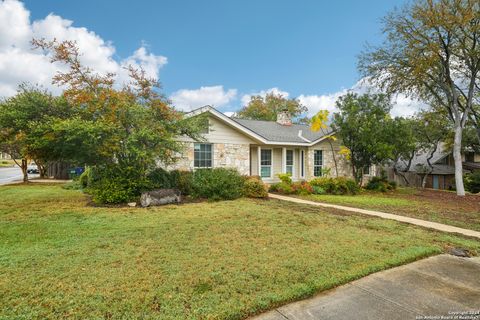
<point x="317" y="163"/>
<point x="366" y="170"/>
<point x="265" y="163"/>
<point x="203" y="156"/>
<point x="289" y="162"/>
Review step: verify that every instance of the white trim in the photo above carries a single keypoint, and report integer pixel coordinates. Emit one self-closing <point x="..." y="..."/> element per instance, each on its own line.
<point x="302" y="163"/>
<point x="302" y="137"/>
<point x="212" y="155"/>
<point x="293" y="162"/>
<point x="271" y="163"/>
<point x="259" y="161"/>
<point x="313" y="164"/>
<point x="284" y="160"/>
<point x="249" y="132"/>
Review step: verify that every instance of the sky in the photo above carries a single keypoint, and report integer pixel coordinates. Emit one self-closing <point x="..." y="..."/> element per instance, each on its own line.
<point x="203" y="52"/>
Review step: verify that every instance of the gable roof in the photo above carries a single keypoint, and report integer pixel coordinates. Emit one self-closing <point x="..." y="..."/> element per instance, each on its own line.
<point x="438" y="168"/>
<point x="269" y="132"/>
<point x="273" y="131"/>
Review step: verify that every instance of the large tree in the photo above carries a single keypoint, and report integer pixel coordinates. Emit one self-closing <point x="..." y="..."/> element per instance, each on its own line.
<point x="267" y="108"/>
<point x="363" y="123"/>
<point x="401" y="133"/>
<point x="421" y="133"/>
<point x="131" y="126"/>
<point x="21" y="116"/>
<point x="432" y="52"/>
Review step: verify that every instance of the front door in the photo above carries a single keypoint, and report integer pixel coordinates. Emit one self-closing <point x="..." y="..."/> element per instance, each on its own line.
<point x="435" y="182"/>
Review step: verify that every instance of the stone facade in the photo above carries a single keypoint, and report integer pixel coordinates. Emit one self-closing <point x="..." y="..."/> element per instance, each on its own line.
<point x="225" y="155"/>
<point x="344" y="169"/>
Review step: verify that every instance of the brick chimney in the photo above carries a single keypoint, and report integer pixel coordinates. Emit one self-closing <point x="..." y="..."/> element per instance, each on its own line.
<point x="283" y="118"/>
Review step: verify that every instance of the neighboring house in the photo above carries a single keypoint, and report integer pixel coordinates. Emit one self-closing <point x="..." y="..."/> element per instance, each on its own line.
<point x="441" y="175"/>
<point x="261" y="148"/>
<point x="4" y="156"/>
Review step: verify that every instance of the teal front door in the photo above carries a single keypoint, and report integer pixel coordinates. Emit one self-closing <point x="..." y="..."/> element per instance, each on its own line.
<point x="435" y="182"/>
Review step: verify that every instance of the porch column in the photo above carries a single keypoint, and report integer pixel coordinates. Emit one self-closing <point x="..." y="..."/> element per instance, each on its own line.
<point x="259" y="160"/>
<point x="284" y="160"/>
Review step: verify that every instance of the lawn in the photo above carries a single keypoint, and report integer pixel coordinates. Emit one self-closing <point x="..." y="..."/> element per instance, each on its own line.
<point x="61" y="258"/>
<point x="438" y="206"/>
<point x="7" y="163"/>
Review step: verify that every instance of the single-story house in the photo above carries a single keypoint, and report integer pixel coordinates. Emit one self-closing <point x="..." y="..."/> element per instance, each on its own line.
<point x="262" y="148"/>
<point x="441" y="175"/>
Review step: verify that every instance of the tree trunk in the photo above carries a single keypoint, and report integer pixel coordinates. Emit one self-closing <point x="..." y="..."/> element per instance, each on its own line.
<point x="334" y="158"/>
<point x="396" y="172"/>
<point x="41" y="168"/>
<point x="24" y="170"/>
<point x="424" y="180"/>
<point x="457" y="157"/>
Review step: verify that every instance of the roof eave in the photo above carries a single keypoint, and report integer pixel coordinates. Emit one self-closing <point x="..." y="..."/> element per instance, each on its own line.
<point x="248" y="131"/>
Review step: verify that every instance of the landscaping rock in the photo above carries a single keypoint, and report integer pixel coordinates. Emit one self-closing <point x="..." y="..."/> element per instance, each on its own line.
<point x="159" y="197"/>
<point x="460" y="252"/>
<point x="132" y="204"/>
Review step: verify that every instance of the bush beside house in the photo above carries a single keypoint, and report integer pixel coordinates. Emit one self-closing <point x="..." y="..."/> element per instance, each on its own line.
<point x="108" y="185"/>
<point x="321" y="185"/>
<point x="472" y="182"/>
<point x="381" y="184"/>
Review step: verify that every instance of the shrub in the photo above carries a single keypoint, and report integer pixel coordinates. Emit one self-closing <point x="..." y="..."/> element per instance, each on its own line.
<point x="73" y="185"/>
<point x="302" y="188"/>
<point x="285" y="177"/>
<point x="85" y="177"/>
<point x="380" y="184"/>
<point x="318" y="190"/>
<point x="217" y="184"/>
<point x="472" y="182"/>
<point x="254" y="187"/>
<point x="160" y="179"/>
<point x="116" y="184"/>
<point x="182" y="180"/>
<point x="339" y="185"/>
<point x="282" y="187"/>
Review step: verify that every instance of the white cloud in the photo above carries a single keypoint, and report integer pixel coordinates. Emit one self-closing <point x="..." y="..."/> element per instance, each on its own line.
<point x="246" y="97"/>
<point x="215" y="96"/>
<point x="230" y="114"/>
<point x="402" y="105"/>
<point x="19" y="63"/>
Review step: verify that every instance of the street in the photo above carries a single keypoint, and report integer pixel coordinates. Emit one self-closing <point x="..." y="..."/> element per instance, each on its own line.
<point x="8" y="175"/>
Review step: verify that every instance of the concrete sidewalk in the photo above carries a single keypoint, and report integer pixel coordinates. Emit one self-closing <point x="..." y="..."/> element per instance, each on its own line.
<point x="418" y="222"/>
<point x="434" y="286"/>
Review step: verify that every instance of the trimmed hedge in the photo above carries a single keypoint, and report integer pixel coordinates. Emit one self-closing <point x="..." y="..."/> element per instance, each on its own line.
<point x="217" y="184"/>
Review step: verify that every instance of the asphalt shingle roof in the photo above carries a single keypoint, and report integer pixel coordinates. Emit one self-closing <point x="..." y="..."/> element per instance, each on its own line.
<point x="275" y="132"/>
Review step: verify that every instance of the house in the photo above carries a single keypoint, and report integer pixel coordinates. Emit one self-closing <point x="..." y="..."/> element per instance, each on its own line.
<point x="4" y="156"/>
<point x="262" y="148"/>
<point x="441" y="174"/>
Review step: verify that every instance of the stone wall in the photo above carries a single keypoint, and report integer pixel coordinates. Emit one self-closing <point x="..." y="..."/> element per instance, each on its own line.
<point x="225" y="155"/>
<point x="344" y="169"/>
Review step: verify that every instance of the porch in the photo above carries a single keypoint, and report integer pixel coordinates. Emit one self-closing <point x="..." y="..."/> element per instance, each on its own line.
<point x="268" y="161"/>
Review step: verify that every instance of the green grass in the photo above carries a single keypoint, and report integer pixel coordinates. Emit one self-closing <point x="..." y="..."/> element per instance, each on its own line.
<point x="60" y="258"/>
<point x="6" y="163"/>
<point x="438" y="206"/>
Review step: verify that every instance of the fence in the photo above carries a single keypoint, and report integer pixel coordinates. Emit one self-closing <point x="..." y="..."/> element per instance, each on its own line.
<point x="414" y="179"/>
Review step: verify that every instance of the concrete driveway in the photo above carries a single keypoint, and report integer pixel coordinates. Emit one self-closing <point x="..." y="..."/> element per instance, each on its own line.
<point x="437" y="286"/>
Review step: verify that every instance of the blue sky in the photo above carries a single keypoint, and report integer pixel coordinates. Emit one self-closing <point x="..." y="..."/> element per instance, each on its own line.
<point x="303" y="48"/>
